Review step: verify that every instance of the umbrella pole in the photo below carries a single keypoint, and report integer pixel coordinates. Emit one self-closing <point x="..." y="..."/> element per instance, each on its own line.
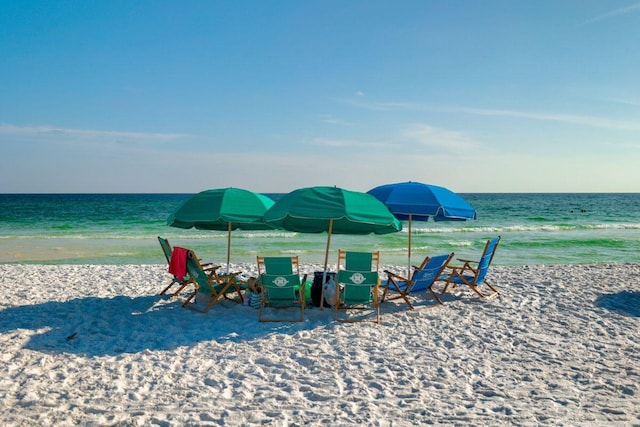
<point x="326" y="263"/>
<point x="228" y="246"/>
<point x="409" y="256"/>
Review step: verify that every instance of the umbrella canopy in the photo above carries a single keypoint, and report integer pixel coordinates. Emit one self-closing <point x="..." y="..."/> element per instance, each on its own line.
<point x="421" y="201"/>
<point x="417" y="201"/>
<point x="333" y="210"/>
<point x="222" y="209"/>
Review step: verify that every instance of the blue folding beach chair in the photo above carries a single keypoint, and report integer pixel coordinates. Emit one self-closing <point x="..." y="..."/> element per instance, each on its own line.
<point x="423" y="278"/>
<point x="472" y="276"/>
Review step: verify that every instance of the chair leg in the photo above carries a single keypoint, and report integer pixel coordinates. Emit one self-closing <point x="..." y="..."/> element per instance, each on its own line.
<point x="450" y="284"/>
<point x="176" y="282"/>
<point x="475" y="288"/>
<point x="471" y="286"/>
<point x="214" y="299"/>
<point x="184" y="285"/>
<point x="173" y="282"/>
<point x="167" y="288"/>
<point x="435" y="295"/>
<point x="401" y="294"/>
<point x="385" y="291"/>
<point x="238" y="292"/>
<point x="188" y="300"/>
<point x="404" y="295"/>
<point x="447" y="282"/>
<point x="495" y="291"/>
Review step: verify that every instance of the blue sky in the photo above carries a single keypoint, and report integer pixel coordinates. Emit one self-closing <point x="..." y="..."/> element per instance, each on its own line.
<point x="181" y="96"/>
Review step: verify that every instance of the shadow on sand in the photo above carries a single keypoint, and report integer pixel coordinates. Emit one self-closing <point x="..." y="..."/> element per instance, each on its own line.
<point x="624" y="302"/>
<point x="94" y="326"/>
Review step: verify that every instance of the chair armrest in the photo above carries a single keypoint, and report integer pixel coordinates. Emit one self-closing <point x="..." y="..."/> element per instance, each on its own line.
<point x="391" y="274"/>
<point x="204" y="264"/>
<point x="232" y="275"/>
<point x="211" y="271"/>
<point x="452" y="270"/>
<point x="465" y="266"/>
<point x="460" y="269"/>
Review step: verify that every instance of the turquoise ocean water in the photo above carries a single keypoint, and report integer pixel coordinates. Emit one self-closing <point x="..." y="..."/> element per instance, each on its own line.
<point x="122" y="229"/>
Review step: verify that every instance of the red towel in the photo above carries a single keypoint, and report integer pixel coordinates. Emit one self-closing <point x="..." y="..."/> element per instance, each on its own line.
<point x="178" y="264"/>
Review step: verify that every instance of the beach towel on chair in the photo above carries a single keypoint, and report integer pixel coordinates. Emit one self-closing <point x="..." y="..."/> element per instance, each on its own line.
<point x="178" y="264"/>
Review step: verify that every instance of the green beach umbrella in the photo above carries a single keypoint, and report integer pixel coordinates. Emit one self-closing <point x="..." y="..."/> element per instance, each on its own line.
<point x="332" y="210"/>
<point x="223" y="209"/>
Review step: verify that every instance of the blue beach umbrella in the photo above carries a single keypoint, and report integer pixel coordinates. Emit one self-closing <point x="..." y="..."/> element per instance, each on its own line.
<point x="410" y="201"/>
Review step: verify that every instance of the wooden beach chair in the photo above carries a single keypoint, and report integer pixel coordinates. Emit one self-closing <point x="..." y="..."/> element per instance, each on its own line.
<point x="357" y="290"/>
<point x="473" y="273"/>
<point x="182" y="282"/>
<point x="210" y="286"/>
<point x="423" y="278"/>
<point x="357" y="286"/>
<point x="359" y="261"/>
<point x="356" y="261"/>
<point x="281" y="287"/>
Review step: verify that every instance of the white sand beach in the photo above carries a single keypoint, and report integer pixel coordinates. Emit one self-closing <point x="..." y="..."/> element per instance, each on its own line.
<point x="95" y="345"/>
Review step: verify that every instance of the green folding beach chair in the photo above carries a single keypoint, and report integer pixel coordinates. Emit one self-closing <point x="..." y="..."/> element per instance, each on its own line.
<point x="356" y="261"/>
<point x="359" y="261"/>
<point x="210" y="286"/>
<point x="281" y="288"/>
<point x="182" y="282"/>
<point x="357" y="290"/>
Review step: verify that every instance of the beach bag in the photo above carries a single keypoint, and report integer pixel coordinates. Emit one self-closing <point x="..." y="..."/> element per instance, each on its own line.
<point x="330" y="293"/>
<point x="255" y="300"/>
<point x="316" y="287"/>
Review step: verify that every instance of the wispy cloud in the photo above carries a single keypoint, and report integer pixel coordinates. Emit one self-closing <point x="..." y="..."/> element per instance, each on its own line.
<point x="635" y="103"/>
<point x="414" y="137"/>
<point x="384" y="106"/>
<point x="575" y="119"/>
<point x="9" y="129"/>
<point x="329" y="119"/>
<point x="614" y="13"/>
<point x="439" y="140"/>
<point x="346" y="143"/>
